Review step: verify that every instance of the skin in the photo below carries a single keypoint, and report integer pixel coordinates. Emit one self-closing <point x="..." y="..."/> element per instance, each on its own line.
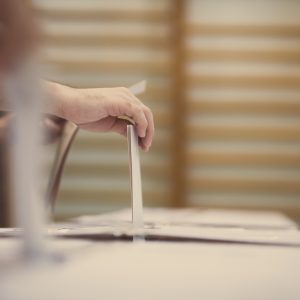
<point x="97" y="109"/>
<point x="100" y="109"/>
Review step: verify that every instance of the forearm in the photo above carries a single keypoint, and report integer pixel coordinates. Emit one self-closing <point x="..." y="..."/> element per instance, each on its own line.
<point x="54" y="96"/>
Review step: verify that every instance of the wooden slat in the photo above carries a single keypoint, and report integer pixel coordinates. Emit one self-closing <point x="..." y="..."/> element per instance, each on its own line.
<point x="162" y="119"/>
<point x="244" y="30"/>
<point x="98" y="39"/>
<point x="6" y="192"/>
<point x="159" y="145"/>
<point x="263" y="107"/>
<point x="245" y="133"/>
<point x="204" y="158"/>
<point x="99" y="14"/>
<point x="274" y="55"/>
<point x="156" y="93"/>
<point x="78" y="169"/>
<point x="179" y="109"/>
<point x="76" y="65"/>
<point x="84" y="143"/>
<point x="271" y="81"/>
<point x="116" y="195"/>
<point x="244" y="185"/>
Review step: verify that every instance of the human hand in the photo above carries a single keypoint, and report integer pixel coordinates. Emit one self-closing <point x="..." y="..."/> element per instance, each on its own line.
<point x="104" y="109"/>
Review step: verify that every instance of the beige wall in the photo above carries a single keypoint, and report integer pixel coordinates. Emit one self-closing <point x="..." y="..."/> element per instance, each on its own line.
<point x="240" y="96"/>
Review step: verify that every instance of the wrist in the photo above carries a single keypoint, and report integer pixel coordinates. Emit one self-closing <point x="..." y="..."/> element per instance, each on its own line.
<point x="57" y="98"/>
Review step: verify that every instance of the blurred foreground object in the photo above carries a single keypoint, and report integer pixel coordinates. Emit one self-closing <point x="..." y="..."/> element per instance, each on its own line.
<point x="5" y="217"/>
<point x="18" y="34"/>
<point x="20" y="81"/>
<point x="17" y="39"/>
<point x="25" y="99"/>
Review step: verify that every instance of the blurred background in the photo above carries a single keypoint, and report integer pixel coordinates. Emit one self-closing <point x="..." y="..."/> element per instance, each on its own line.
<point x="224" y="86"/>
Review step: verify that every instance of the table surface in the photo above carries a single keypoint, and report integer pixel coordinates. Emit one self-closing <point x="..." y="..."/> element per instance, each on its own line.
<point x="89" y="269"/>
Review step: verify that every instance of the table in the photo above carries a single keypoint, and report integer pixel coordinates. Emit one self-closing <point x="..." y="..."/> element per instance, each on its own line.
<point x="115" y="269"/>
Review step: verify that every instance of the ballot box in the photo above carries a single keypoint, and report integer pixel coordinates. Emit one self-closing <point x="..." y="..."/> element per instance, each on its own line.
<point x="180" y="254"/>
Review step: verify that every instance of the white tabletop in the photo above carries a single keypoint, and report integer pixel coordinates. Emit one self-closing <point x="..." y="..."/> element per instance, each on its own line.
<point x="154" y="270"/>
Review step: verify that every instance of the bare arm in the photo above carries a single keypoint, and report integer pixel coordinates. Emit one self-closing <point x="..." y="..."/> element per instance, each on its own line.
<point x="99" y="109"/>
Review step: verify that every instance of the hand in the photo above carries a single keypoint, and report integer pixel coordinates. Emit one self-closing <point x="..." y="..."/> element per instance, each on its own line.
<point x="101" y="109"/>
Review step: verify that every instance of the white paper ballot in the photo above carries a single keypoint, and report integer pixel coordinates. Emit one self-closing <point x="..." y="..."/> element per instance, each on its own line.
<point x="135" y="178"/>
<point x="134" y="163"/>
<point x="138" y="88"/>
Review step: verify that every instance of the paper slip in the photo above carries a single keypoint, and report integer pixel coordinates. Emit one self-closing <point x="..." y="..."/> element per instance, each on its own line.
<point x="201" y="225"/>
<point x="135" y="178"/>
<point x="194" y="217"/>
<point x="138" y="88"/>
<point x="134" y="166"/>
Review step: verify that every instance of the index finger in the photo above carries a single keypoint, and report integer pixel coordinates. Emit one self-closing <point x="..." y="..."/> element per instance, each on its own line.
<point x="147" y="140"/>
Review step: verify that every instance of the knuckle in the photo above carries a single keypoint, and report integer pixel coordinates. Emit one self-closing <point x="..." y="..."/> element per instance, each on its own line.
<point x="139" y="110"/>
<point x="128" y="105"/>
<point x="147" y="110"/>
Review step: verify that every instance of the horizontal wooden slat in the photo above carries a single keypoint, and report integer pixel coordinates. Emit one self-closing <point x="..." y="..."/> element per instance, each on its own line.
<point x="156" y="93"/>
<point x="244" y="30"/>
<point x="100" y="14"/>
<point x="65" y="64"/>
<point x="98" y="39"/>
<point x="274" y="55"/>
<point x="203" y="158"/>
<point x="116" y="195"/>
<point x="244" y="185"/>
<point x="245" y="133"/>
<point x="77" y="169"/>
<point x="265" y="107"/>
<point x="271" y="81"/>
<point x="82" y="144"/>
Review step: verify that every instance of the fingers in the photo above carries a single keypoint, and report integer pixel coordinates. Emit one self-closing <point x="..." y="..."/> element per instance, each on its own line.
<point x="143" y="118"/>
<point x="101" y="109"/>
<point x="107" y="124"/>
<point x="136" y="113"/>
<point x="147" y="140"/>
<point x="120" y="126"/>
